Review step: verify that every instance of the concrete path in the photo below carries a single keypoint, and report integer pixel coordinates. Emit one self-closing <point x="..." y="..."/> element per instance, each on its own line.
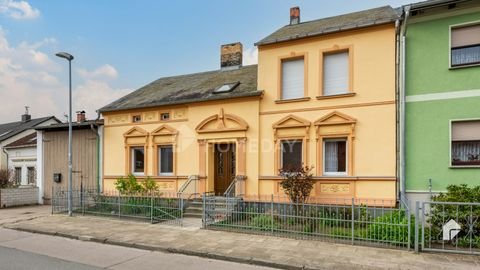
<point x="16" y="214"/>
<point x="264" y="250"/>
<point x="22" y="250"/>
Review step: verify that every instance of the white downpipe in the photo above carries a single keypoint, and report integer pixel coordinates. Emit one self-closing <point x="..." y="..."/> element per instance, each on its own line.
<point x="402" y="94"/>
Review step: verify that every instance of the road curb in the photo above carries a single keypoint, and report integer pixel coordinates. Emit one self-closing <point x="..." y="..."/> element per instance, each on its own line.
<point x="208" y="255"/>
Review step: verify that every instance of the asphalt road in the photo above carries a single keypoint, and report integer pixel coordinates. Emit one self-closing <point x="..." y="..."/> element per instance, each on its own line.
<point x="21" y="250"/>
<point x="13" y="259"/>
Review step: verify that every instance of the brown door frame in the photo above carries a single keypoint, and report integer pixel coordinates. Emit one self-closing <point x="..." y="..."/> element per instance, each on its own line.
<point x="224" y="166"/>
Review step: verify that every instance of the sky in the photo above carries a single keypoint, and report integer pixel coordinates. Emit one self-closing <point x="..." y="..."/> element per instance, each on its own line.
<point x="121" y="45"/>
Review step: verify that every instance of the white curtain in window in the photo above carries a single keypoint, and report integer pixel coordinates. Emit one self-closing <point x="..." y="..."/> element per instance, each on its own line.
<point x="335" y="73"/>
<point x="331" y="156"/>
<point x="293" y="79"/>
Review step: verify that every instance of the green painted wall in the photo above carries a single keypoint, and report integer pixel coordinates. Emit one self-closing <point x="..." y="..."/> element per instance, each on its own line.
<point x="428" y="122"/>
<point x="427" y="68"/>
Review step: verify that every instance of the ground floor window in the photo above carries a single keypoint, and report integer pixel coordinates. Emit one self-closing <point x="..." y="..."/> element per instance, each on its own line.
<point x="465" y="144"/>
<point x="165" y="160"/>
<point x="291" y="154"/>
<point x="138" y="160"/>
<point x="18" y="176"/>
<point x="335" y="156"/>
<point x="31" y="175"/>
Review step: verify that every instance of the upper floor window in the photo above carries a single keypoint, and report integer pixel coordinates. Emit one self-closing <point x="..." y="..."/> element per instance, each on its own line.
<point x="465" y="45"/>
<point x="293" y="78"/>
<point x="336" y="73"/>
<point x="165" y="116"/>
<point x="136" y="118"/>
<point x="465" y="149"/>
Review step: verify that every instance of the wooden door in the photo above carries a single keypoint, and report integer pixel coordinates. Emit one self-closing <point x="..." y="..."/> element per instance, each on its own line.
<point x="224" y="166"/>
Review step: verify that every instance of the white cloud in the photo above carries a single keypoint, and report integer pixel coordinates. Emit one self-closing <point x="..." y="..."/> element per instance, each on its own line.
<point x="93" y="94"/>
<point x="250" y="56"/>
<point x="105" y="71"/>
<point x="20" y="10"/>
<point x="29" y="76"/>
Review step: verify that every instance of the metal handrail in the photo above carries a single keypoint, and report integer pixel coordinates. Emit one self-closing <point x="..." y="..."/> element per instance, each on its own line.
<point x="185" y="185"/>
<point x="180" y="194"/>
<point x="232" y="187"/>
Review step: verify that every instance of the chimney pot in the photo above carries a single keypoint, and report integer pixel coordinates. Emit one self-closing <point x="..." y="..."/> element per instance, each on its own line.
<point x="81" y="116"/>
<point x="294" y="15"/>
<point x="231" y="55"/>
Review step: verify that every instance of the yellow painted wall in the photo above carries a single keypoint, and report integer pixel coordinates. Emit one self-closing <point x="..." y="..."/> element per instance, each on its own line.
<point x="373" y="107"/>
<point x="187" y="150"/>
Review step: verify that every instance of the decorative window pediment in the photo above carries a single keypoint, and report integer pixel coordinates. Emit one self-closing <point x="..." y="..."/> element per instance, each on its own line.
<point x="164" y="130"/>
<point x="335" y="118"/>
<point x="222" y="122"/>
<point x="136" y="132"/>
<point x="291" y="121"/>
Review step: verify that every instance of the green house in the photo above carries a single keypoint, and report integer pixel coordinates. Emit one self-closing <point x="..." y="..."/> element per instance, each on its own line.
<point x="440" y="97"/>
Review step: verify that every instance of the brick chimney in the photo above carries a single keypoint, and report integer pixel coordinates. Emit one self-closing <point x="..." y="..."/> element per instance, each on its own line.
<point x="231" y="56"/>
<point x="26" y="117"/>
<point x="294" y="15"/>
<point x="81" y="116"/>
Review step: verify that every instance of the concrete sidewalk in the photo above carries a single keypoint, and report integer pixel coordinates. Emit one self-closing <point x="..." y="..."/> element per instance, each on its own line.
<point x="22" y="213"/>
<point x="262" y="250"/>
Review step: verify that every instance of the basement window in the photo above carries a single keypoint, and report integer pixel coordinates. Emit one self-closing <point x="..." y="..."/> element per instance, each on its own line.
<point x="228" y="87"/>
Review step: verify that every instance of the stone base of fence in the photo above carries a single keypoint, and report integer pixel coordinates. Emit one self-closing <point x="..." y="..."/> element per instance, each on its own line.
<point x="10" y="197"/>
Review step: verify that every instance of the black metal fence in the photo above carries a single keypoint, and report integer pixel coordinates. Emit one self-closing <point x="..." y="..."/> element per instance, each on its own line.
<point x="345" y="221"/>
<point x="153" y="207"/>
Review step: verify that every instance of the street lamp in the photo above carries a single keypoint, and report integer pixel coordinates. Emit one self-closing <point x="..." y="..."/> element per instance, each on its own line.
<point x="69" y="57"/>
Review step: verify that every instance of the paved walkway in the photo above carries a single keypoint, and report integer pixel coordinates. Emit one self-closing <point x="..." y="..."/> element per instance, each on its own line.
<point x="16" y="214"/>
<point x="263" y="250"/>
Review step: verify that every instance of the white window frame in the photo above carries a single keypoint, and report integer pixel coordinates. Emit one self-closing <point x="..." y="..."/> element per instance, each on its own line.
<point x="340" y="139"/>
<point x="281" y="149"/>
<point x="132" y="160"/>
<point x="159" y="161"/>
<point x="450" y="143"/>
<point x="292" y="59"/>
<point x="324" y="58"/>
<point x="460" y="25"/>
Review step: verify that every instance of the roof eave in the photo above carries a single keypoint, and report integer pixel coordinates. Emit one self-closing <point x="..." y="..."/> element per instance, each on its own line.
<point x="258" y="93"/>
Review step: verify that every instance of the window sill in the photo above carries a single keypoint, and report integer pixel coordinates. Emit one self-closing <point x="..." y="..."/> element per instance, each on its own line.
<point x="464" y="66"/>
<point x="464" y="166"/>
<point x="336" y="96"/>
<point x="280" y="101"/>
<point x="334" y="174"/>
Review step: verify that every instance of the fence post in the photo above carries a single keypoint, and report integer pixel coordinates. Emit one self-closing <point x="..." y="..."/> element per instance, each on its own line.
<point x="204" y="215"/>
<point x="53" y="199"/>
<point x="417" y="217"/>
<point x="119" y="205"/>
<point x="271" y="213"/>
<point x="409" y="242"/>
<point x="353" y="221"/>
<point x="151" y="208"/>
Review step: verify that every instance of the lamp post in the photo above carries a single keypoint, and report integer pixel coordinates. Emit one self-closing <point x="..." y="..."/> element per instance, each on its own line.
<point x="69" y="57"/>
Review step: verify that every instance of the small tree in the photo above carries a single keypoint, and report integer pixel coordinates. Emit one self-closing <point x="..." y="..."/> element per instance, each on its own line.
<point x="149" y="185"/>
<point x="297" y="183"/>
<point x="128" y="185"/>
<point x="6" y="178"/>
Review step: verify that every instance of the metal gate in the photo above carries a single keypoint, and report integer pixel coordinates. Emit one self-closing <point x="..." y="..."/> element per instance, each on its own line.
<point x="448" y="227"/>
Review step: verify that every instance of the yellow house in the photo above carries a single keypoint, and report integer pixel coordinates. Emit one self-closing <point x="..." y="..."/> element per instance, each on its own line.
<point x="323" y="95"/>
